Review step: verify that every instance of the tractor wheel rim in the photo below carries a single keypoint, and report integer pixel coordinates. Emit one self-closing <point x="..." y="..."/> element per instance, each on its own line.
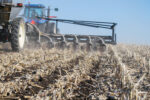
<point x="21" y="35"/>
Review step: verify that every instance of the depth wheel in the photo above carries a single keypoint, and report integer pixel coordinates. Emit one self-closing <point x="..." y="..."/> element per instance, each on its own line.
<point x="18" y="34"/>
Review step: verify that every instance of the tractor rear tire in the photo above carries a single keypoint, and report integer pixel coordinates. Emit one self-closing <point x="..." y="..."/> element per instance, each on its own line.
<point x="18" y="34"/>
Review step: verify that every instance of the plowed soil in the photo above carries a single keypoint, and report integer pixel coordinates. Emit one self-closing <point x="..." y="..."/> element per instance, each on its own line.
<point x="52" y="74"/>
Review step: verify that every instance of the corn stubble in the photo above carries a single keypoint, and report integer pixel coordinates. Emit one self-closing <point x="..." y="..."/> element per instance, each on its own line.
<point x="122" y="72"/>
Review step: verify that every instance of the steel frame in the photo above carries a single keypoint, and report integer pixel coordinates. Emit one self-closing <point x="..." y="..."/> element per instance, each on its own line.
<point x="111" y="39"/>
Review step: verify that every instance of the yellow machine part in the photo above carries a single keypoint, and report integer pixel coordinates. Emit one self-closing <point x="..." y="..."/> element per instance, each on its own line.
<point x="5" y="14"/>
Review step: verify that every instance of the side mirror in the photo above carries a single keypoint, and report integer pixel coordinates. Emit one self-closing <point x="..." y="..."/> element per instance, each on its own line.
<point x="56" y="9"/>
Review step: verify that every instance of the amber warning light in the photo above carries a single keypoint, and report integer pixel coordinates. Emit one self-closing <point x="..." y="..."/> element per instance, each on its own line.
<point x="19" y="5"/>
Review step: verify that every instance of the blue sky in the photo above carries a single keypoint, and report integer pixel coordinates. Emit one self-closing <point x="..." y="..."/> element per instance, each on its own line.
<point x="132" y="16"/>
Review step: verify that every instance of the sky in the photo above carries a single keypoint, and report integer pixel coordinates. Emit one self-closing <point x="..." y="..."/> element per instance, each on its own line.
<point x="132" y="17"/>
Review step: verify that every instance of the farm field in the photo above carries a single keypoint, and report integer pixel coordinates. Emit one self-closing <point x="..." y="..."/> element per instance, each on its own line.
<point x="122" y="72"/>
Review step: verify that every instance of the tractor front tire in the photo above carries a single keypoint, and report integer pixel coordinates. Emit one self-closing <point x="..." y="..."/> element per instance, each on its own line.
<point x="18" y="34"/>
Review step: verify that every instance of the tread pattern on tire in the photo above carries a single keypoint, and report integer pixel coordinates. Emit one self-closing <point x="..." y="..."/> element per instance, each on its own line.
<point x="15" y="33"/>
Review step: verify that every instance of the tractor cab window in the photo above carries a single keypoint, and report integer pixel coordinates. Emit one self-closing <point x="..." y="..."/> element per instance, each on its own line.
<point x="34" y="12"/>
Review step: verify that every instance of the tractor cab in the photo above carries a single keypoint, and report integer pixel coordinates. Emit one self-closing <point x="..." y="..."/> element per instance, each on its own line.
<point x="34" y="10"/>
<point x="35" y="14"/>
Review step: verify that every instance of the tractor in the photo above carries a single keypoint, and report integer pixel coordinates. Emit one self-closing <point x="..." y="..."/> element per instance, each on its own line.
<point x="36" y="25"/>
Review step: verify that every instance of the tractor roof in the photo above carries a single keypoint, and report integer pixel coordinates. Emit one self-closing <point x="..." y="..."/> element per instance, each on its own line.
<point x="35" y="5"/>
